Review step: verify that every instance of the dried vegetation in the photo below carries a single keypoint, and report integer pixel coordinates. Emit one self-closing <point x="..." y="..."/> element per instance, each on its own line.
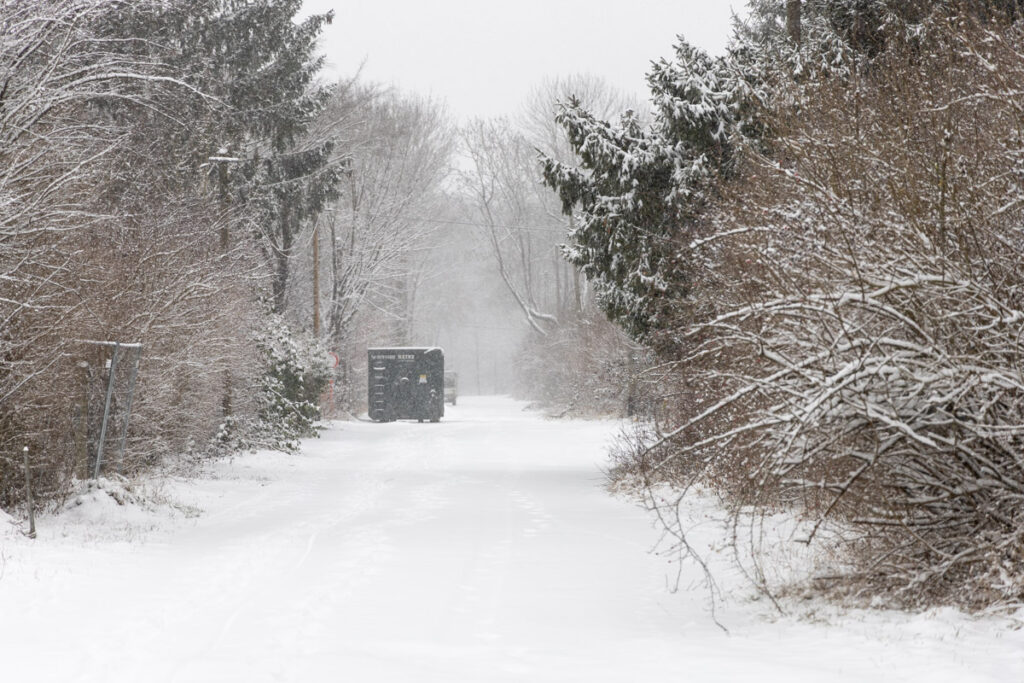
<point x="856" y="358"/>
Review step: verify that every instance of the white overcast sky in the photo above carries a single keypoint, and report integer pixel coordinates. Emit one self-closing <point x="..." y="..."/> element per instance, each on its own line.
<point x="483" y="57"/>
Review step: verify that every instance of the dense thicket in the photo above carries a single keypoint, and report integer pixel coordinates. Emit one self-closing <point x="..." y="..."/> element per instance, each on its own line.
<point x="828" y="263"/>
<point x="145" y="147"/>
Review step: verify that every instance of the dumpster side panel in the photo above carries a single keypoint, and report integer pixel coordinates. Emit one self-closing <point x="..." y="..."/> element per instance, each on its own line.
<point x="405" y="383"/>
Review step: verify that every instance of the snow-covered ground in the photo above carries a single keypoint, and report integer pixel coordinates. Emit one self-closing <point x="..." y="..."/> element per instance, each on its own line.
<point x="483" y="548"/>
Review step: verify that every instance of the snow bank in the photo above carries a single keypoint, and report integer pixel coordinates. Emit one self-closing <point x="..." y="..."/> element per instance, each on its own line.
<point x="117" y="509"/>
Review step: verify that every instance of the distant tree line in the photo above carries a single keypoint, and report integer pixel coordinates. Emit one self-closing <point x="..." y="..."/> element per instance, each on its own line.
<point x="819" y="235"/>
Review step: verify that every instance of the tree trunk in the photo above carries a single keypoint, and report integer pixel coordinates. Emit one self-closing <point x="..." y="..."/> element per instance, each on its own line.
<point x="316" y="280"/>
<point x="793" y="21"/>
<point x="282" y="254"/>
<point x="576" y="289"/>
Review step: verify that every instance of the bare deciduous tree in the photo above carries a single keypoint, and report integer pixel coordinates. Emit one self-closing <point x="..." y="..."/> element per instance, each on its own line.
<point x="394" y="153"/>
<point x="514" y="210"/>
<point x="576" y="360"/>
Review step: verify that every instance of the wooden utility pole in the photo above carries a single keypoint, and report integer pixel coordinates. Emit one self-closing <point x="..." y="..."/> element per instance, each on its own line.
<point x="81" y="421"/>
<point x="793" y="21"/>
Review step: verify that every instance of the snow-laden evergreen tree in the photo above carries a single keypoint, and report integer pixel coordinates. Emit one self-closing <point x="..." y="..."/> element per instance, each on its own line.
<point x="288" y="394"/>
<point x="639" y="191"/>
<point x="287" y="176"/>
<point x="251" y="66"/>
<point x="273" y="100"/>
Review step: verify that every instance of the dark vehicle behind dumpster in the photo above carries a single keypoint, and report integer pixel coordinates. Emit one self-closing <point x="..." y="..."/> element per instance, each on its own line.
<point x="451" y="387"/>
<point x="405" y="384"/>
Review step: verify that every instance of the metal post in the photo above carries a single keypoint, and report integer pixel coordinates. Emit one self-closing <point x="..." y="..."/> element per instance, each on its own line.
<point x="81" y="422"/>
<point x="28" y="492"/>
<point x="128" y="409"/>
<point x="106" y="410"/>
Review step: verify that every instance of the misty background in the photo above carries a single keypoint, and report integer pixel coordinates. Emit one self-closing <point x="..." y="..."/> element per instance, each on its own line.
<point x="502" y="68"/>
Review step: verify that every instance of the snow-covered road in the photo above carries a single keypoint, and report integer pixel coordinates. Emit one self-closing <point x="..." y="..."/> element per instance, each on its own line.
<point x="483" y="548"/>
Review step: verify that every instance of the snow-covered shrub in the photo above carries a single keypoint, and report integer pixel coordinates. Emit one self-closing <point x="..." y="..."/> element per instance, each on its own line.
<point x="295" y="374"/>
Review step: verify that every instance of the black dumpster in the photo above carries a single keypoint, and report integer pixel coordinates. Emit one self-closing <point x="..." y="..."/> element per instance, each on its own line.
<point x="405" y="384"/>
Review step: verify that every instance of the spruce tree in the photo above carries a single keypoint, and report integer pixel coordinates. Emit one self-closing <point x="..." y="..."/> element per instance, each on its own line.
<point x="639" y="192"/>
<point x="241" y="116"/>
<point x="271" y="64"/>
